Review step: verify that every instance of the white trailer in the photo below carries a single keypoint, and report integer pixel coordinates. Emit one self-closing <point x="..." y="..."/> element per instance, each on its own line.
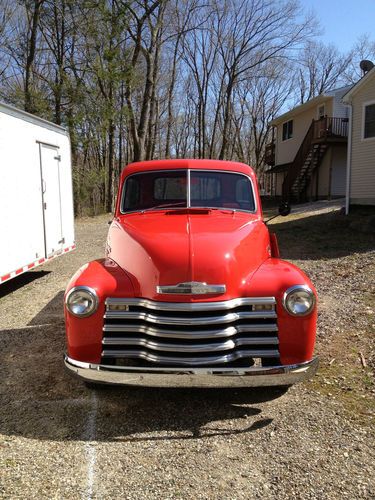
<point x="36" y="199"/>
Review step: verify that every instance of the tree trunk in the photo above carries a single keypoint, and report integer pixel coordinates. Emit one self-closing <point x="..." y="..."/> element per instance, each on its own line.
<point x="29" y="104"/>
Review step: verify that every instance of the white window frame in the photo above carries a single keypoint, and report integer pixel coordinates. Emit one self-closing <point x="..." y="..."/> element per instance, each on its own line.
<point x="364" y="105"/>
<point x="324" y="111"/>
<point x="282" y="130"/>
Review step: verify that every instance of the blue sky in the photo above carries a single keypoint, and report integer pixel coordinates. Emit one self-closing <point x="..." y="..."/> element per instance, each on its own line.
<point x="343" y="21"/>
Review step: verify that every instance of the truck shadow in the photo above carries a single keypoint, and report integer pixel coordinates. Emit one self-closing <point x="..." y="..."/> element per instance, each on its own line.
<point x="40" y="400"/>
<point x="324" y="236"/>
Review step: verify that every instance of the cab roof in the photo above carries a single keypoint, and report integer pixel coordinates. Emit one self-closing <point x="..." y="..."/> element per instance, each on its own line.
<point x="144" y="166"/>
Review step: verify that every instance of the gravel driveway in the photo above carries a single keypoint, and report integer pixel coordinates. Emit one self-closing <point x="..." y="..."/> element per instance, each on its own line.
<point x="61" y="440"/>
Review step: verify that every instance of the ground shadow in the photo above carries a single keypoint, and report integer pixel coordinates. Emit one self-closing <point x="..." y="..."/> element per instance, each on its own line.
<point x="40" y="400"/>
<point x="20" y="281"/>
<point x="323" y="236"/>
<point x="52" y="313"/>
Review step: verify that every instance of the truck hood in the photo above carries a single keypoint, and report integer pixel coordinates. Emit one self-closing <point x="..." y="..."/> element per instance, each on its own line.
<point x="171" y="247"/>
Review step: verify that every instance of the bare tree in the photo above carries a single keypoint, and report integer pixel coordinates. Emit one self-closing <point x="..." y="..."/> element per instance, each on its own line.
<point x="321" y="68"/>
<point x="250" y="33"/>
<point x="144" y="29"/>
<point x="364" y="48"/>
<point x="59" y="33"/>
<point x="33" y="9"/>
<point x="6" y="12"/>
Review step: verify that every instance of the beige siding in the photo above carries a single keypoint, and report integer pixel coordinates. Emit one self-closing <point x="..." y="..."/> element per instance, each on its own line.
<point x="324" y="175"/>
<point x="362" y="185"/>
<point x="340" y="110"/>
<point x="286" y="150"/>
<point x="279" y="179"/>
<point x="338" y="172"/>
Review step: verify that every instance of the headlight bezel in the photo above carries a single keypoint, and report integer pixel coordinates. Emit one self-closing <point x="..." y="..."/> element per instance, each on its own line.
<point x="296" y="288"/>
<point x="93" y="295"/>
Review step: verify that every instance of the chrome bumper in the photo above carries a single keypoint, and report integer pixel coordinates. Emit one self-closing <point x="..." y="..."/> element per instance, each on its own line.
<point x="193" y="377"/>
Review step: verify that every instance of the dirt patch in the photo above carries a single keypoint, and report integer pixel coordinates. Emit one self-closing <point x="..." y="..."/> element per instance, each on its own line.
<point x="341" y="263"/>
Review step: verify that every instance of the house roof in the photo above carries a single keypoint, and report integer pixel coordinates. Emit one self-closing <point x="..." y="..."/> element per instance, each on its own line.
<point x="357" y="86"/>
<point x="315" y="101"/>
<point x="283" y="167"/>
<point x="299" y="109"/>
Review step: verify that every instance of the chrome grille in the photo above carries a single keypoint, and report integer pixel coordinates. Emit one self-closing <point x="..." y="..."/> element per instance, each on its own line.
<point x="198" y="333"/>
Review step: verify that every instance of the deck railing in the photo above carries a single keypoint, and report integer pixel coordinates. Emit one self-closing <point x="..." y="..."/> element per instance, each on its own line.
<point x="323" y="129"/>
<point x="329" y="127"/>
<point x="298" y="162"/>
<point x="269" y="154"/>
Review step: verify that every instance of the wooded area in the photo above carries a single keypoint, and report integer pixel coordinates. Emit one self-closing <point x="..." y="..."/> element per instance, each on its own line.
<point x="135" y="80"/>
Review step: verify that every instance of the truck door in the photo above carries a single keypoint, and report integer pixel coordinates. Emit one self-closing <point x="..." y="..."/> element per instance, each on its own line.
<point x="51" y="198"/>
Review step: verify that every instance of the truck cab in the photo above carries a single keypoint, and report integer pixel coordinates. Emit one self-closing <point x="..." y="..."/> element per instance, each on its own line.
<point x="191" y="291"/>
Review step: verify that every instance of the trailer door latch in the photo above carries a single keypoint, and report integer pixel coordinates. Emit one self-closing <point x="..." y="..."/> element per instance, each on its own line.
<point x="61" y="242"/>
<point x="58" y="157"/>
<point x="45" y="206"/>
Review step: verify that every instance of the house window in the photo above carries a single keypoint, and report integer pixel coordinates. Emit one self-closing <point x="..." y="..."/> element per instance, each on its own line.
<point x="369" y="128"/>
<point x="321" y="111"/>
<point x="287" y="130"/>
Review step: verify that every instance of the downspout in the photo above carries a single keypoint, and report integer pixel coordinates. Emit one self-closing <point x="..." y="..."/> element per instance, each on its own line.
<point x="349" y="159"/>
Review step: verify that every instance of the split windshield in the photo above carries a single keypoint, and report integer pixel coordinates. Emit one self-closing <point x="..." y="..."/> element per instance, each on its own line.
<point x="187" y="188"/>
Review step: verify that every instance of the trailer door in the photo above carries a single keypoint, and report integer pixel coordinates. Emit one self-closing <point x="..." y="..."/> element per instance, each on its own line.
<point x="51" y="198"/>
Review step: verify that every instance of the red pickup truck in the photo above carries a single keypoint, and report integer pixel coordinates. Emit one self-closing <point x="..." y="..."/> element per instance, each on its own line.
<point x="191" y="292"/>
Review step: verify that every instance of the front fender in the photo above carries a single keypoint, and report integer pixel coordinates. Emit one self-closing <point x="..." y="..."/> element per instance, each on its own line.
<point x="296" y="334"/>
<point x="84" y="335"/>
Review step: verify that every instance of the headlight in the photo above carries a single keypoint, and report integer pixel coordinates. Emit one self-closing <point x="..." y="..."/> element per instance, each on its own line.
<point x="299" y="300"/>
<point x="82" y="301"/>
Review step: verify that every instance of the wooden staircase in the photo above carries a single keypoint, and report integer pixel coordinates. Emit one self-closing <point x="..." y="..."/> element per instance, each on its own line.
<point x="313" y="160"/>
<point x="320" y="135"/>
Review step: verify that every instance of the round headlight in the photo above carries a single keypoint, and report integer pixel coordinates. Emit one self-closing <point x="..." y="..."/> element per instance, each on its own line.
<point x="299" y="300"/>
<point x="82" y="301"/>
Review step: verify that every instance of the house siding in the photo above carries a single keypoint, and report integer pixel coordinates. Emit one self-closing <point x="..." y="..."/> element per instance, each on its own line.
<point x="340" y="110"/>
<point x="362" y="182"/>
<point x="279" y="179"/>
<point x="338" y="172"/>
<point x="324" y="175"/>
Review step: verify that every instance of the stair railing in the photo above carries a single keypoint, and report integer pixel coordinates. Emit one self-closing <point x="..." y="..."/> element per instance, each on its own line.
<point x="298" y="162"/>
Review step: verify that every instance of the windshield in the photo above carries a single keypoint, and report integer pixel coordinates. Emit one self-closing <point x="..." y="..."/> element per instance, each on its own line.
<point x="187" y="188"/>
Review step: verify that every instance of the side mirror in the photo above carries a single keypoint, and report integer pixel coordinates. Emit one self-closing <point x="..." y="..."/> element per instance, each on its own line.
<point x="284" y="209"/>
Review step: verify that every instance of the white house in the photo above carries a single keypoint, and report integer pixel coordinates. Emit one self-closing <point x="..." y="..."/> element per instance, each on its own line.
<point x="360" y="100"/>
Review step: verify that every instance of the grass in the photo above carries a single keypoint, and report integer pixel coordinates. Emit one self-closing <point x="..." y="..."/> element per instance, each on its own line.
<point x="352" y="386"/>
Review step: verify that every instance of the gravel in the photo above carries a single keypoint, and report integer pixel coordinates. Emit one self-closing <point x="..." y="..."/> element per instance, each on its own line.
<point x="314" y="441"/>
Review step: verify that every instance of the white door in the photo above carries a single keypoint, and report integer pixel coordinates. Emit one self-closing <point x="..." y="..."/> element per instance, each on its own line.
<point x="49" y="161"/>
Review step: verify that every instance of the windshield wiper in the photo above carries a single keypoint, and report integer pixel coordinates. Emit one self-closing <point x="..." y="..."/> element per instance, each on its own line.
<point x="166" y="205"/>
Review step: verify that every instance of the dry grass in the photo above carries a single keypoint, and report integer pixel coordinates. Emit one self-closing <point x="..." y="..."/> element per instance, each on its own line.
<point x="338" y="253"/>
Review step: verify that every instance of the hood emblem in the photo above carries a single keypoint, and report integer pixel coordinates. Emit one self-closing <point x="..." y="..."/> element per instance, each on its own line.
<point x="191" y="288"/>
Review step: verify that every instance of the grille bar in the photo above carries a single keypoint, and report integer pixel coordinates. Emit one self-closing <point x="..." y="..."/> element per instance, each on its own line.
<point x="193" y="306"/>
<point x="218" y="346"/>
<point x="191" y="361"/>
<point x="189" y="321"/>
<point x="228" y="331"/>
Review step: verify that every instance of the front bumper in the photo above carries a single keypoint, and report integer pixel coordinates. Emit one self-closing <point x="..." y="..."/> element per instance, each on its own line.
<point x="193" y="377"/>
